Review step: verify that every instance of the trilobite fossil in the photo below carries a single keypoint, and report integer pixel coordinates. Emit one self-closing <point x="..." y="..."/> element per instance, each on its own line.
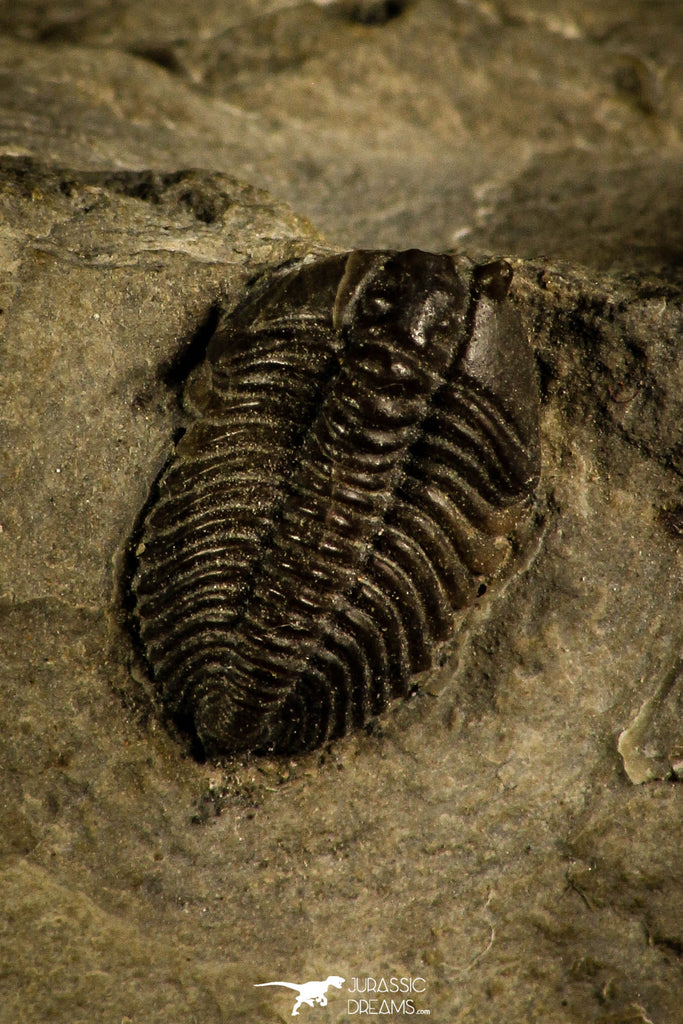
<point x="366" y="437"/>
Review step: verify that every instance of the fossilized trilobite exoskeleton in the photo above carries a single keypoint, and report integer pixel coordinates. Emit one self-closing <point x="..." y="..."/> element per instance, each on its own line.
<point x="366" y="439"/>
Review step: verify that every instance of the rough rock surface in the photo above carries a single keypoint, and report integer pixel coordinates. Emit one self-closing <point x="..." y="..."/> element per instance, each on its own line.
<point x="486" y="836"/>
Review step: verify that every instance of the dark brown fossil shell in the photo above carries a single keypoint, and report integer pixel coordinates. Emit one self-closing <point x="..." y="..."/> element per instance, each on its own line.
<point x="366" y="438"/>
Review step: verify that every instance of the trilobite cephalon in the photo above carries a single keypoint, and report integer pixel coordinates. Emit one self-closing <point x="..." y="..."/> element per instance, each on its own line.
<point x="366" y="436"/>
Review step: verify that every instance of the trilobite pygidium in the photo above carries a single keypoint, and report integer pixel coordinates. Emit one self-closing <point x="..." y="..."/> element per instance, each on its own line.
<point x="366" y="437"/>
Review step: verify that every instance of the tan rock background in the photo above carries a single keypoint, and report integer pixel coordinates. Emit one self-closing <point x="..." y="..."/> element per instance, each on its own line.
<point x="485" y="836"/>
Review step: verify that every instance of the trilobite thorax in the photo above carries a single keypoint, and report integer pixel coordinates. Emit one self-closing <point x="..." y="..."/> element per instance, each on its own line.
<point x="366" y="438"/>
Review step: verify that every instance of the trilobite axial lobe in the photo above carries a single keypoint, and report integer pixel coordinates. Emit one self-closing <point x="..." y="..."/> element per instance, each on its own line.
<point x="366" y="437"/>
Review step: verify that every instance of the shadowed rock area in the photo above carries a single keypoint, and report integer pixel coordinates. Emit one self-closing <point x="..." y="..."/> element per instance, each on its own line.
<point x="486" y="836"/>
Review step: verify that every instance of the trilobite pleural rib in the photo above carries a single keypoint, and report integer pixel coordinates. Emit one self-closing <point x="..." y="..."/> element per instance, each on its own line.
<point x="366" y="438"/>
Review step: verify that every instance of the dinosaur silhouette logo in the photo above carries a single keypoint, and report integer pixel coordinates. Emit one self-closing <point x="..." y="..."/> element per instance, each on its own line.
<point x="310" y="993"/>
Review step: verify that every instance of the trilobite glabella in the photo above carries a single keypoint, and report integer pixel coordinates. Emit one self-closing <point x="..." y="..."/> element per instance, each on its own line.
<point x="366" y="438"/>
